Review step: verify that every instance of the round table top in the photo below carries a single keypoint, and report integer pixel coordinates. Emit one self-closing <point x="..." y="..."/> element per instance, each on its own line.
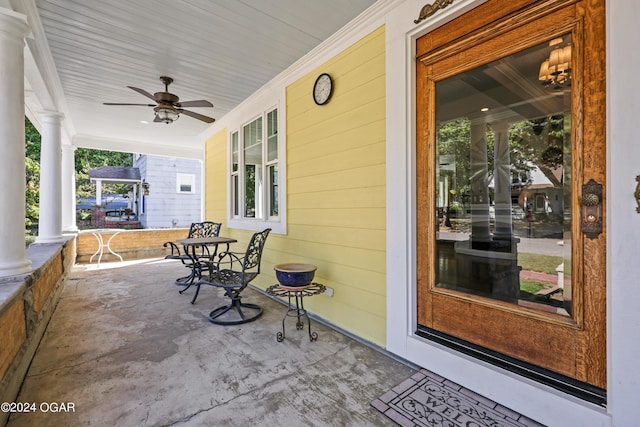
<point x="205" y="240"/>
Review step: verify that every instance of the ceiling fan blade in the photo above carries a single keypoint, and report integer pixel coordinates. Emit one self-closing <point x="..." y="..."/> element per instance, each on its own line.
<point x="197" y="116"/>
<point x="198" y="103"/>
<point x="117" y="103"/>
<point x="142" y="92"/>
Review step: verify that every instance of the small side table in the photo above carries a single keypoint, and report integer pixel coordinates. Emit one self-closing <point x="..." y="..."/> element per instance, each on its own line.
<point x="102" y="245"/>
<point x="296" y="309"/>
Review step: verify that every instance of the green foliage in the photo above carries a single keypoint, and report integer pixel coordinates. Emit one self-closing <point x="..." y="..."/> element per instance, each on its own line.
<point x="32" y="191"/>
<point x="32" y="174"/>
<point x="250" y="190"/>
<point x="32" y="141"/>
<point x="454" y="139"/>
<point x="538" y="142"/>
<point x="455" y="208"/>
<point x="538" y="262"/>
<point x="84" y="215"/>
<point x="87" y="159"/>
<point x="530" y="286"/>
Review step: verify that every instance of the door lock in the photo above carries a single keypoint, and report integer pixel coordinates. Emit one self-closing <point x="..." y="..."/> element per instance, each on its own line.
<point x="591" y="209"/>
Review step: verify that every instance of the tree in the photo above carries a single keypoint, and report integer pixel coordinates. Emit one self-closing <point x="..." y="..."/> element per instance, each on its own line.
<point x="32" y="174"/>
<point x="532" y="143"/>
<point x="87" y="159"/>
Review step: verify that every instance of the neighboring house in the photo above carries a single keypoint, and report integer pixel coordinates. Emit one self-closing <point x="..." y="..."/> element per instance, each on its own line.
<point x="104" y="214"/>
<point x="171" y="195"/>
<point x="114" y="175"/>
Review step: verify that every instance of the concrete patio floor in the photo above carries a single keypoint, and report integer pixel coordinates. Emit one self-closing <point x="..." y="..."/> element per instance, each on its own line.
<point x="123" y="348"/>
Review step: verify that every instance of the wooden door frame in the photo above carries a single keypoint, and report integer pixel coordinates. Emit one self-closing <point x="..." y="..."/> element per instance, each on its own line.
<point x="487" y="24"/>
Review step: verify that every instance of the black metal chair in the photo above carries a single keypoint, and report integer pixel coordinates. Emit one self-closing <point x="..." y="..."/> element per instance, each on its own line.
<point x="233" y="272"/>
<point x="198" y="229"/>
<point x="204" y="229"/>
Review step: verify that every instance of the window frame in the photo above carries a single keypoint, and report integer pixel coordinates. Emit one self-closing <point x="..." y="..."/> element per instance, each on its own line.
<point x="182" y="178"/>
<point x="236" y="195"/>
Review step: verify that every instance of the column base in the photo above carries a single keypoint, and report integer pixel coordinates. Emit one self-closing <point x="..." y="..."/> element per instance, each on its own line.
<point x="51" y="239"/>
<point x="15" y="268"/>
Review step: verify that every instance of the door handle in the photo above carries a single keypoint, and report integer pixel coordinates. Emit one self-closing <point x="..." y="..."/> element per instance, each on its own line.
<point x="591" y="207"/>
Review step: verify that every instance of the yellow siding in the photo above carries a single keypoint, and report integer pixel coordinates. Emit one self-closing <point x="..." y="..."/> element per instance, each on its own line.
<point x="216" y="177"/>
<point x="336" y="188"/>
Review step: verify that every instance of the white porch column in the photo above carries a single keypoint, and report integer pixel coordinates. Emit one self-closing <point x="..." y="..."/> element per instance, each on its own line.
<point x="13" y="29"/>
<point x="69" y="224"/>
<point x="480" y="230"/>
<point x="50" y="221"/>
<point x="98" y="192"/>
<point x="502" y="182"/>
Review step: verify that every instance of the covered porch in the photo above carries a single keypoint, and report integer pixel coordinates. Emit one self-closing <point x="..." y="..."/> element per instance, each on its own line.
<point x="346" y="199"/>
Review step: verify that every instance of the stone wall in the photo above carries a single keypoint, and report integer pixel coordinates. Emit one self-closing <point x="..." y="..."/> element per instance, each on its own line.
<point x="26" y="305"/>
<point x="130" y="244"/>
<point x="27" y="301"/>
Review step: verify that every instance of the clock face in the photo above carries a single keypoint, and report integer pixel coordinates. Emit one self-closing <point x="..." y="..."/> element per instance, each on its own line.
<point x="322" y="89"/>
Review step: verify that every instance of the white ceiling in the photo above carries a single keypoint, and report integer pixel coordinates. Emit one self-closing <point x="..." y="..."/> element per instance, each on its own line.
<point x="86" y="52"/>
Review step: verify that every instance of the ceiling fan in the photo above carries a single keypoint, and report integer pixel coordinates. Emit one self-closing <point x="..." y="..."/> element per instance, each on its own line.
<point x="168" y="106"/>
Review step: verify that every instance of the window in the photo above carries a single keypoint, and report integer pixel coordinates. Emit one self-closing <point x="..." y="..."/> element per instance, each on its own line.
<point x="185" y="183"/>
<point x="254" y="172"/>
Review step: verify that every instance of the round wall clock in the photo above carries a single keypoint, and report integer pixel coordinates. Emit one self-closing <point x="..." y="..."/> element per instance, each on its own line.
<point x="322" y="89"/>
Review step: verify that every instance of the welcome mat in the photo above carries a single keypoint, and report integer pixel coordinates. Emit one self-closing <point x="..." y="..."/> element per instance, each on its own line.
<point x="427" y="399"/>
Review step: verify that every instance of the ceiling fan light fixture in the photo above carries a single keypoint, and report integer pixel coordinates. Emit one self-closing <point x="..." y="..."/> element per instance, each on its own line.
<point x="166" y="113"/>
<point x="167" y="107"/>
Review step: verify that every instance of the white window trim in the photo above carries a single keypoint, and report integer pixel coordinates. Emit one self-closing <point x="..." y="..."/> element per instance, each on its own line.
<point x="184" y="178"/>
<point x="277" y="224"/>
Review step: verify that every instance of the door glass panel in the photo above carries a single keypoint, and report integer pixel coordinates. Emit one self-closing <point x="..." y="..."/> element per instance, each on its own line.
<point x="504" y="179"/>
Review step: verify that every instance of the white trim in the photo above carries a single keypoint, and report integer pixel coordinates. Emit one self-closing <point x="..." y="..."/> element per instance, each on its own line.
<point x="277" y="224"/>
<point x="623" y="222"/>
<point x="41" y="71"/>
<point x="131" y="146"/>
<point x="185" y="178"/>
<point x="536" y="401"/>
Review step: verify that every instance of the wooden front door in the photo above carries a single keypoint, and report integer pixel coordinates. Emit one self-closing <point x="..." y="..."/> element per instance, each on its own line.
<point x="511" y="169"/>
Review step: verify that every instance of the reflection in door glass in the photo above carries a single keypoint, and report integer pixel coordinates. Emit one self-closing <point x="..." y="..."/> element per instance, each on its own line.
<point x="503" y="196"/>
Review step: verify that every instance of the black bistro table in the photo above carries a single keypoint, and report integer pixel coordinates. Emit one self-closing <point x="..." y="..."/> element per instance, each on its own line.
<point x="296" y="309"/>
<point x="200" y="259"/>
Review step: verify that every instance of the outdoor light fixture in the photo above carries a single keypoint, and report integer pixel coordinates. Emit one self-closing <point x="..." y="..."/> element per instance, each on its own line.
<point x="166" y="113"/>
<point x="555" y="71"/>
